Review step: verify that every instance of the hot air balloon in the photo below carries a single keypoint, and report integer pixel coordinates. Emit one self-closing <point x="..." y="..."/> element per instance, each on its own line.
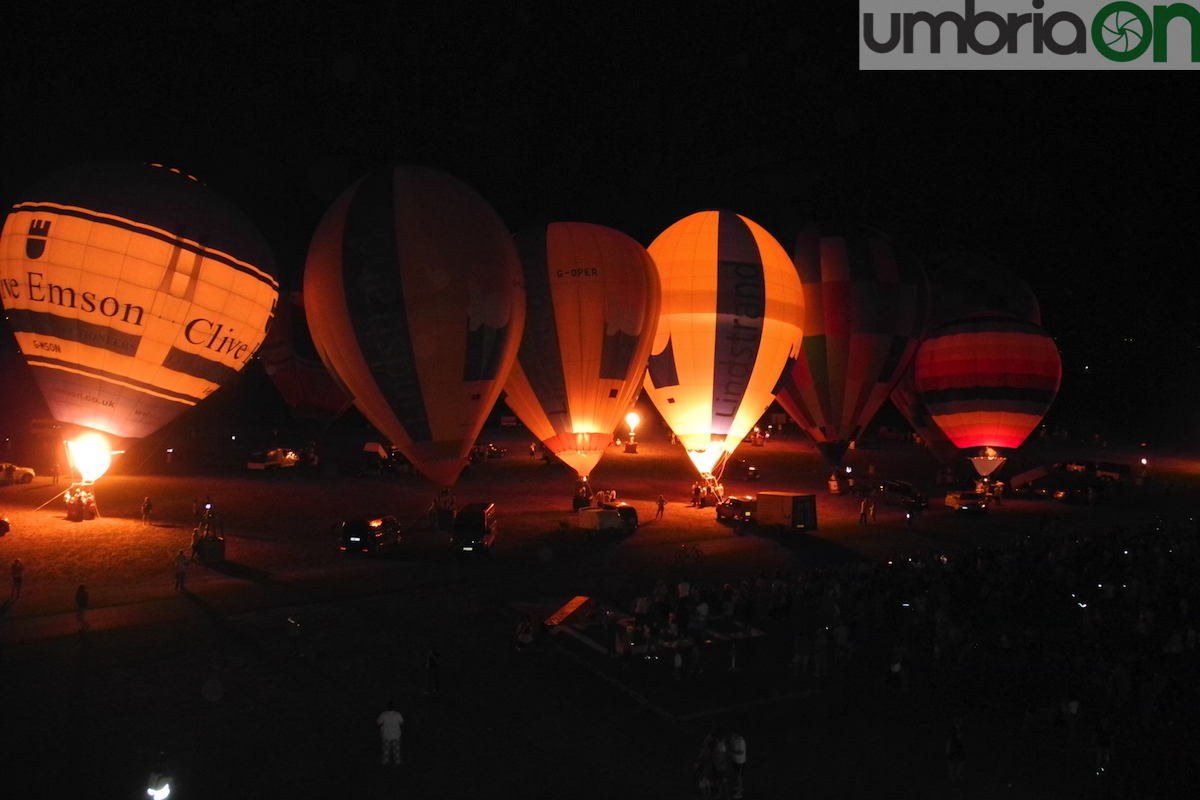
<point x="415" y="302"/>
<point x="988" y="381"/>
<point x="593" y="303"/>
<point x="134" y="292"/>
<point x="865" y="307"/>
<point x="291" y="361"/>
<point x="728" y="333"/>
<point x="907" y="401"/>
<point x="961" y="285"/>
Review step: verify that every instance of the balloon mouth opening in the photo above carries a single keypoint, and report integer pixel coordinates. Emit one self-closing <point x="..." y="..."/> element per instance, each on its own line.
<point x="986" y="461"/>
<point x="705" y="460"/>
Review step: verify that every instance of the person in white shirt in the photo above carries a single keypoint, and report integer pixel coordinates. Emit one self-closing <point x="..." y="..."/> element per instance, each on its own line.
<point x="389" y="723"/>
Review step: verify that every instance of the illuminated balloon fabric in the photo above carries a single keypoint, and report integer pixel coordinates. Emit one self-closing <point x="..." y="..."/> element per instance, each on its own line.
<point x="865" y="311"/>
<point x="728" y="333"/>
<point x="988" y="381"/>
<point x="415" y="302"/>
<point x="291" y="361"/>
<point x="964" y="284"/>
<point x="592" y="305"/>
<point x="134" y="292"/>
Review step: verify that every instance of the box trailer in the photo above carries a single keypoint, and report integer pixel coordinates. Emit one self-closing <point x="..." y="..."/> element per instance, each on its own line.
<point x="787" y="509"/>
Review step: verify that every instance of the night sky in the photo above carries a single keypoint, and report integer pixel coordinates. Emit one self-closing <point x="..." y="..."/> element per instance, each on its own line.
<point x="633" y="116"/>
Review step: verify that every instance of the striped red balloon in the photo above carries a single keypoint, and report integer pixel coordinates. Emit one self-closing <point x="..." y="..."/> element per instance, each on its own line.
<point x="988" y="381"/>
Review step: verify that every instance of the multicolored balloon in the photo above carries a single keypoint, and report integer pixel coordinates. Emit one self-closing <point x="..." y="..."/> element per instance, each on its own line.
<point x="907" y="400"/>
<point x="865" y="307"/>
<point x="593" y="303"/>
<point x="134" y="292"/>
<point x="988" y="381"/>
<point x="292" y="363"/>
<point x="416" y="303"/>
<point x="728" y="334"/>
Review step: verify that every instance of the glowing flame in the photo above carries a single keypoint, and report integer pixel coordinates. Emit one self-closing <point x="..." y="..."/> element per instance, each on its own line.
<point x="632" y="420"/>
<point x="91" y="454"/>
<point x="705" y="459"/>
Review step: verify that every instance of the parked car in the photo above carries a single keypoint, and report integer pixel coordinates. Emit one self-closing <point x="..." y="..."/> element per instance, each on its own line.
<point x="275" y="458"/>
<point x="903" y="493"/>
<point x="627" y="513"/>
<point x="474" y="530"/>
<point x="738" y="509"/>
<point x="370" y="535"/>
<point x="968" y="501"/>
<point x="490" y="450"/>
<point x="11" y="474"/>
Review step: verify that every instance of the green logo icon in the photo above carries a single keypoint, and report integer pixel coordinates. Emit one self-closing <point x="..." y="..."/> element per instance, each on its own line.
<point x="1122" y="31"/>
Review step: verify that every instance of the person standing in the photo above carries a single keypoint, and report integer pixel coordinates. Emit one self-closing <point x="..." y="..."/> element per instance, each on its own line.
<point x="54" y="470"/>
<point x="863" y="508"/>
<point x="737" y="763"/>
<point x="706" y="768"/>
<point x="147" y="507"/>
<point x="390" y="722"/>
<point x="433" y="666"/>
<point x="181" y="565"/>
<point x="195" y="513"/>
<point x="18" y="576"/>
<point x="661" y="504"/>
<point x="956" y="753"/>
<point x="81" y="606"/>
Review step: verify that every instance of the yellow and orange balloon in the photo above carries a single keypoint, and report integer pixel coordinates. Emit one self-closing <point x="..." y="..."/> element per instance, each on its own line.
<point x="593" y="303"/>
<point x="729" y="331"/>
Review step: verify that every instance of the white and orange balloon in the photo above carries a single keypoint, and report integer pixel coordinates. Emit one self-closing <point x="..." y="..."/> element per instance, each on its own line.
<point x="414" y="298"/>
<point x="729" y="332"/>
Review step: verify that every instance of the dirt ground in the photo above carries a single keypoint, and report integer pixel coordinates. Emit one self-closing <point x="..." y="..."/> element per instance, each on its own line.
<point x="212" y="678"/>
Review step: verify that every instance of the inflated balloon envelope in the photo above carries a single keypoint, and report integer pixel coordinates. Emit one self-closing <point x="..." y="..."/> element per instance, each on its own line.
<point x="593" y="302"/>
<point x="962" y="286"/>
<point x="415" y="302"/>
<point x="728" y="334"/>
<point x="293" y="365"/>
<point x="866" y="307"/>
<point x="134" y="292"/>
<point x="988" y="381"/>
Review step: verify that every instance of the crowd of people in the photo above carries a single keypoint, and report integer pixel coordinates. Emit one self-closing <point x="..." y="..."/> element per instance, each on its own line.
<point x="1090" y="632"/>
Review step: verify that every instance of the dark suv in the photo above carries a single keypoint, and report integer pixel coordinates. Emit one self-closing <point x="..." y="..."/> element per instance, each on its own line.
<point x="903" y="493"/>
<point x="370" y="535"/>
<point x="474" y="530"/>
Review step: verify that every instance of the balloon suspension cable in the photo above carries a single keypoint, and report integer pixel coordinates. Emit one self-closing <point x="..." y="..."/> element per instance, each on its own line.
<point x="719" y="468"/>
<point x="52" y="499"/>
